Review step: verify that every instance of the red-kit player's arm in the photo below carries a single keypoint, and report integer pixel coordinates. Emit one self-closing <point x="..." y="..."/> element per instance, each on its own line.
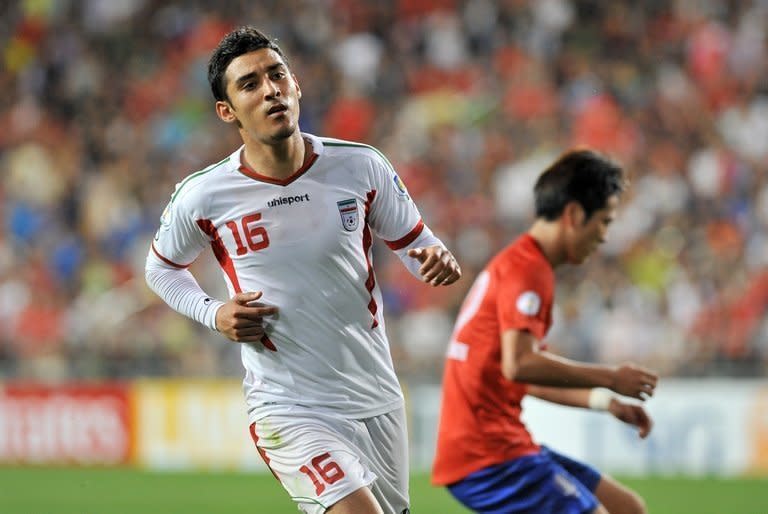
<point x="628" y="412"/>
<point x="521" y="362"/>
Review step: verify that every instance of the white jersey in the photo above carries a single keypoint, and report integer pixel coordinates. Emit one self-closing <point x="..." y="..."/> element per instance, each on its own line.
<point x="305" y="242"/>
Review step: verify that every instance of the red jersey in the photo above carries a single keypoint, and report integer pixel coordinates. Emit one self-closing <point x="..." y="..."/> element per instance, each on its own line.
<point x="480" y="415"/>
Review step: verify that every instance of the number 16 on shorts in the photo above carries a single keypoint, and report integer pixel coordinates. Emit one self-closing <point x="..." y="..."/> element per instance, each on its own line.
<point x="323" y="470"/>
<point x="313" y="457"/>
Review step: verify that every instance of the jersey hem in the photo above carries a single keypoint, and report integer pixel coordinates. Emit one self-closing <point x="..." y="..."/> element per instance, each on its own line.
<point x="452" y="478"/>
<point x="260" y="411"/>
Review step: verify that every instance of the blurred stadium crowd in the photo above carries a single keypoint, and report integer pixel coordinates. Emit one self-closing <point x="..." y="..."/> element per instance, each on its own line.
<point x="107" y="106"/>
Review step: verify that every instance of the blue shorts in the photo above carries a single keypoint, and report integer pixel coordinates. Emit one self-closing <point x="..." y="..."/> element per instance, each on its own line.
<point x="543" y="483"/>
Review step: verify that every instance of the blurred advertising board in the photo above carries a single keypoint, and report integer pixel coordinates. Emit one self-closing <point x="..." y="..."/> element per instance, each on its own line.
<point x="193" y="424"/>
<point x="701" y="427"/>
<point x="158" y="424"/>
<point x="84" y="424"/>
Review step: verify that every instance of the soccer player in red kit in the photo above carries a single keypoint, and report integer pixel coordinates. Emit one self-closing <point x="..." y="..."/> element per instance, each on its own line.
<point x="485" y="455"/>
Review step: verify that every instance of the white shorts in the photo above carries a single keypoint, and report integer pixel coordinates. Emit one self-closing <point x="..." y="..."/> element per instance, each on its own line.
<point x="320" y="457"/>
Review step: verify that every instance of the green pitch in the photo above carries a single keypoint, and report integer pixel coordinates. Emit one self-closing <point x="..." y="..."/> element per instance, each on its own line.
<point x="118" y="491"/>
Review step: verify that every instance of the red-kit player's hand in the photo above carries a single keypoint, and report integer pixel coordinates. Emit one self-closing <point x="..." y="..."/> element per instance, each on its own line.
<point x="634" y="381"/>
<point x="242" y="318"/>
<point x="632" y="414"/>
<point x="438" y="267"/>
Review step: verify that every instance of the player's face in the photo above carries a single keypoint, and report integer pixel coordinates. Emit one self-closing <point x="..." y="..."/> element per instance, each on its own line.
<point x="589" y="234"/>
<point x="263" y="96"/>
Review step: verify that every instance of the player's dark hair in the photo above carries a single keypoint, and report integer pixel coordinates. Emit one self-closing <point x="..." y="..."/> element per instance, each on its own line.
<point x="583" y="176"/>
<point x="240" y="41"/>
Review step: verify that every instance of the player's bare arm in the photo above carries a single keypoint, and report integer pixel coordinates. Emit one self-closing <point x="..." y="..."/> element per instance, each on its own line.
<point x="438" y="266"/>
<point x="628" y="412"/>
<point x="241" y="319"/>
<point x="570" y="397"/>
<point x="523" y="362"/>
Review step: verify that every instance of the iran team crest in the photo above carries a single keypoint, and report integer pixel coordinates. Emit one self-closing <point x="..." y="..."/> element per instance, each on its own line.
<point x="349" y="215"/>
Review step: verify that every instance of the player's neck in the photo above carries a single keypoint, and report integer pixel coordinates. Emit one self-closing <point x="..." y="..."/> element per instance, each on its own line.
<point x="548" y="236"/>
<point x="278" y="161"/>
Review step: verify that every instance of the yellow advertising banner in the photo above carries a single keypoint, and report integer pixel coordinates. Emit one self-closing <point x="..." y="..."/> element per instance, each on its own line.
<point x="758" y="427"/>
<point x="192" y="424"/>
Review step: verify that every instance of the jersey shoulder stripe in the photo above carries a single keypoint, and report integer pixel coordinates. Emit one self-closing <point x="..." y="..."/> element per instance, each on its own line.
<point x="351" y="144"/>
<point x="195" y="175"/>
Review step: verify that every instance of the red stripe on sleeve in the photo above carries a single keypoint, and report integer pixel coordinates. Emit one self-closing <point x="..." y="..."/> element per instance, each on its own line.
<point x="408" y="239"/>
<point x="168" y="261"/>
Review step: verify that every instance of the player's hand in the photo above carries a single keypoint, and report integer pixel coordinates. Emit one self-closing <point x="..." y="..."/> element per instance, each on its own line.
<point x="242" y="318"/>
<point x="634" y="381"/>
<point x="438" y="266"/>
<point x="632" y="414"/>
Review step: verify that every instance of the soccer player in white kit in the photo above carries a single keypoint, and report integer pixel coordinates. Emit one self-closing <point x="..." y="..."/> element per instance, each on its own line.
<point x="290" y="218"/>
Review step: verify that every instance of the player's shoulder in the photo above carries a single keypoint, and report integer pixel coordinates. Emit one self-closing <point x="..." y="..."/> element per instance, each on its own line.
<point x="523" y="259"/>
<point x="341" y="148"/>
<point x="200" y="180"/>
